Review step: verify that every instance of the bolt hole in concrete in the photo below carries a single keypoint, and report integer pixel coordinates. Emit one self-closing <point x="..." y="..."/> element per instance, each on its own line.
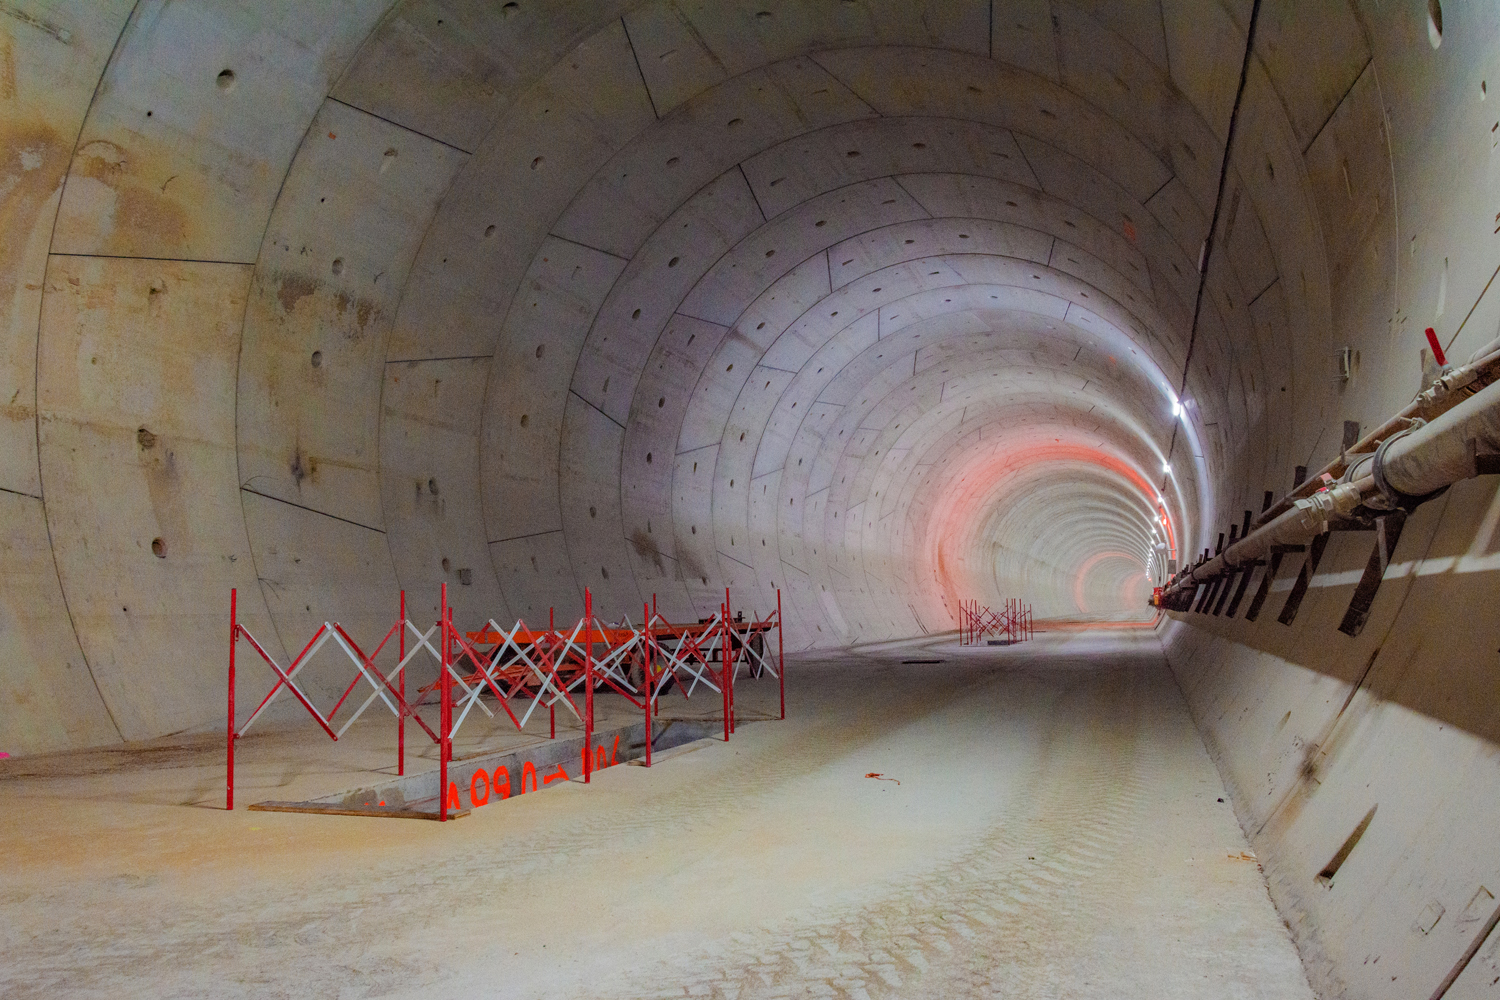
<point x="317" y="359"/>
<point x="159" y="548"/>
<point x="225" y="79"/>
<point x="1434" y="23"/>
<point x="338" y="265"/>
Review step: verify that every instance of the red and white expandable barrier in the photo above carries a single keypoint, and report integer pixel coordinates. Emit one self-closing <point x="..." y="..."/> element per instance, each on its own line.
<point x="524" y="670"/>
<point x="1013" y="622"/>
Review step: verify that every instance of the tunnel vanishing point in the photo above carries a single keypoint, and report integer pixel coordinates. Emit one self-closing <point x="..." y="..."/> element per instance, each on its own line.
<point x="1173" y="318"/>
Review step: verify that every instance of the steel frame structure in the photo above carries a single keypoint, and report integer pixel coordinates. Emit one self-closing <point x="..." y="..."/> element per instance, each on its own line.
<point x="524" y="670"/>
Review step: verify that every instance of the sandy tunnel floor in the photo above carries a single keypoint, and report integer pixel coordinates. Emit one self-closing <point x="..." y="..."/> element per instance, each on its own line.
<point x="1055" y="832"/>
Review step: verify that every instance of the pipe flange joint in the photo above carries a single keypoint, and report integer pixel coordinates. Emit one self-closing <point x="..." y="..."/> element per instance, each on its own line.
<point x="1390" y="497"/>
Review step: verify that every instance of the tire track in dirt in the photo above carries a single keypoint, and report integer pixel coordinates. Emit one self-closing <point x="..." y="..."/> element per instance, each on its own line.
<point x="967" y="927"/>
<point x="238" y="931"/>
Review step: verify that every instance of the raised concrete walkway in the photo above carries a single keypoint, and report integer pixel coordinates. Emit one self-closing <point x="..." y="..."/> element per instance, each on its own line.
<point x="1056" y="832"/>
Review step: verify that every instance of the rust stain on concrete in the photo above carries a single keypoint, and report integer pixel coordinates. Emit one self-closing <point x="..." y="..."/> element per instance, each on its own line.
<point x="33" y="159"/>
<point x="7" y="68"/>
<point x="294" y="288"/>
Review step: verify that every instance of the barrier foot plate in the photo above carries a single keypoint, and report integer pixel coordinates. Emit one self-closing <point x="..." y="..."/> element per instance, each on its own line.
<point x="406" y="811"/>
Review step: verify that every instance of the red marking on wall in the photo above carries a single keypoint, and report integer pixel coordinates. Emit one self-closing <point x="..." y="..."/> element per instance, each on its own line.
<point x="502" y="769"/>
<point x="975" y="489"/>
<point x="528" y="769"/>
<point x="473" y="786"/>
<point x="453" y="795"/>
<point x="561" y="775"/>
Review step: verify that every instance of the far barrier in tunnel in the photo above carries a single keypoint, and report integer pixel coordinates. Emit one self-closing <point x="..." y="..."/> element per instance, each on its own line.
<point x="1011" y="624"/>
<point x="525" y="669"/>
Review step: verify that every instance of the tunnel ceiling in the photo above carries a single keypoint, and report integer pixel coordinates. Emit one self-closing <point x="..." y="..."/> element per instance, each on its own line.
<point x="882" y="305"/>
<point x="815" y="316"/>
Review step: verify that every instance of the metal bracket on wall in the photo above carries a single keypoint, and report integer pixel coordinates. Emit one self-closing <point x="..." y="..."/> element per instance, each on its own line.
<point x="1304" y="579"/>
<point x="1277" y="552"/>
<point x="1209" y="589"/>
<point x="1387" y="535"/>
<point x="1188" y="597"/>
<point x="1224" y="592"/>
<point x="1239" y="594"/>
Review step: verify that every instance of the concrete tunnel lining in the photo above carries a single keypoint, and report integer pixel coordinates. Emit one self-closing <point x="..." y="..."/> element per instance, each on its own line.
<point x="526" y="299"/>
<point x="385" y="236"/>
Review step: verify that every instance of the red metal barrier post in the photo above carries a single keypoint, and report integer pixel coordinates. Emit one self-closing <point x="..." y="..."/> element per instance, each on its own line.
<point x="234" y="635"/>
<point x="731" y="657"/>
<point x="588" y="685"/>
<point x="646" y="674"/>
<point x="780" y="656"/>
<point x="401" y="680"/>
<point x="445" y="712"/>
<point x="724" y="663"/>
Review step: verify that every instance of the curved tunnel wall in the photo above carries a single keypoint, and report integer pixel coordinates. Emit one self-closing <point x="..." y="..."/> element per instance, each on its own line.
<point x="884" y="304"/>
<point x="653" y="301"/>
<point x="881" y="306"/>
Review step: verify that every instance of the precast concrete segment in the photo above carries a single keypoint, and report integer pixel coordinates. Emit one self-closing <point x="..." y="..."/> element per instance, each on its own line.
<point x="1050" y="819"/>
<point x="146" y="551"/>
<point x="195" y="122"/>
<point x="51" y="70"/>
